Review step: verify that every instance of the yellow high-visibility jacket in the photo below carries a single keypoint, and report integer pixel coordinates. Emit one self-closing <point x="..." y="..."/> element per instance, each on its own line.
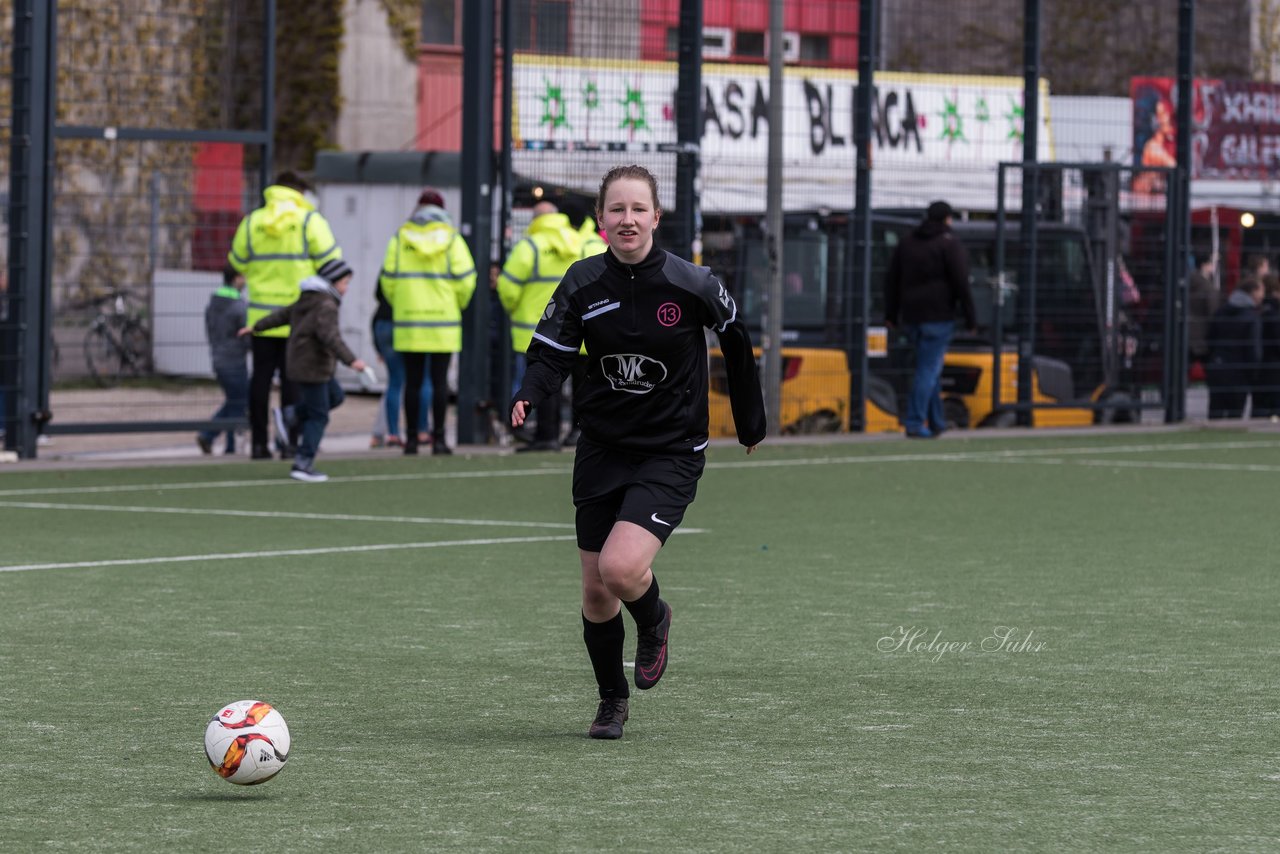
<point x="276" y="247"/>
<point x="592" y="242"/>
<point x="428" y="277"/>
<point x="533" y="270"/>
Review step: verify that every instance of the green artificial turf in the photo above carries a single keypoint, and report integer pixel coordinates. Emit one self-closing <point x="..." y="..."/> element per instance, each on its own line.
<point x="438" y="697"/>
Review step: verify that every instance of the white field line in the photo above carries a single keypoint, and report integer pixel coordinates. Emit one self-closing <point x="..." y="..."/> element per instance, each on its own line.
<point x="960" y="456"/>
<point x="1148" y="464"/>
<point x="284" y="514"/>
<point x="996" y="456"/>
<point x="380" y="547"/>
<point x="275" y="481"/>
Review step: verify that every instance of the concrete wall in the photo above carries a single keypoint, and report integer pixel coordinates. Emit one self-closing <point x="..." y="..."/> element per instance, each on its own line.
<point x="379" y="84"/>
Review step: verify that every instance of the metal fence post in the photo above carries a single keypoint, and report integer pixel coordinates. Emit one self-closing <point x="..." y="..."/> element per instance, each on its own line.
<point x="1176" y="405"/>
<point x="1030" y="200"/>
<point x="858" y="307"/>
<point x="477" y="209"/>
<point x="688" y="130"/>
<point x="30" y="224"/>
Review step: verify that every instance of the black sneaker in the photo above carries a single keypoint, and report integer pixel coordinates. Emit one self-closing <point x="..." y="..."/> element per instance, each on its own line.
<point x="651" y="650"/>
<point x="260" y="452"/>
<point x="610" y="717"/>
<point x="206" y="445"/>
<point x="307" y="475"/>
<point x="440" y="449"/>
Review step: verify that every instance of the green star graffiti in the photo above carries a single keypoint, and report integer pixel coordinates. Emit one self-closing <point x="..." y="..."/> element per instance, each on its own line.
<point x="1016" y="115"/>
<point x="952" y="123"/>
<point x="981" y="111"/>
<point x="590" y="95"/>
<point x="633" y="110"/>
<point x="553" y="107"/>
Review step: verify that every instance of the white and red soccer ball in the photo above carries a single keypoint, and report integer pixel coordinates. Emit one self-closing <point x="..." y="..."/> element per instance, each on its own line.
<point x="247" y="742"/>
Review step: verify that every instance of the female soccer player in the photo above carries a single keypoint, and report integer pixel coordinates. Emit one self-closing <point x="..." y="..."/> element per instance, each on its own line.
<point x="642" y="408"/>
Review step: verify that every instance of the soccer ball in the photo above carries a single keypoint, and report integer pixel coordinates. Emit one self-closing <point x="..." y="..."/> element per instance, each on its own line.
<point x="247" y="742"/>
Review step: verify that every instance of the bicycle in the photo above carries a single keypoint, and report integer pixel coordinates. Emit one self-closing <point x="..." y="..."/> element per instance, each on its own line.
<point x="117" y="343"/>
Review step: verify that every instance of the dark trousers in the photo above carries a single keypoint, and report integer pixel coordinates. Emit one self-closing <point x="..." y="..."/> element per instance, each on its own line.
<point x="415" y="369"/>
<point x="235" y="391"/>
<point x="1266" y="391"/>
<point x="268" y="358"/>
<point x="1229" y="389"/>
<point x="315" y="402"/>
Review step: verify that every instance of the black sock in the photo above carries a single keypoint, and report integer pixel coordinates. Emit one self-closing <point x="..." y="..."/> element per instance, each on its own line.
<point x="646" y="610"/>
<point x="604" y="646"/>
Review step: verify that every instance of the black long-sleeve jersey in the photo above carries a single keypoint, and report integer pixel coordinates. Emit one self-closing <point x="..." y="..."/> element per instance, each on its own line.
<point x="646" y="380"/>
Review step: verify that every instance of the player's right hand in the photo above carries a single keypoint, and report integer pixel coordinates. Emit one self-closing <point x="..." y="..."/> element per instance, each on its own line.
<point x="518" y="412"/>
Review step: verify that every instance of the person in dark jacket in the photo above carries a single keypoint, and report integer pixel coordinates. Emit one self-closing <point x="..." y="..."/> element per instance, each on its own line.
<point x="1235" y="350"/>
<point x="1266" y="392"/>
<point x="223" y="318"/>
<point x="927" y="282"/>
<point x="642" y="408"/>
<point x="315" y="346"/>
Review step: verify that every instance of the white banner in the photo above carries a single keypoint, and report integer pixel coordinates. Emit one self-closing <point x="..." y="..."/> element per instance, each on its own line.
<point x="927" y="129"/>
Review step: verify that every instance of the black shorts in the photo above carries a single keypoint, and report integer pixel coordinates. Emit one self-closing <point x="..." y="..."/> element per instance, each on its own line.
<point x="650" y="491"/>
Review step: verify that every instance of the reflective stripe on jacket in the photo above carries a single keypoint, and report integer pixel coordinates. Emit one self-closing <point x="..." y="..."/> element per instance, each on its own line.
<point x="533" y="270"/>
<point x="276" y="247"/>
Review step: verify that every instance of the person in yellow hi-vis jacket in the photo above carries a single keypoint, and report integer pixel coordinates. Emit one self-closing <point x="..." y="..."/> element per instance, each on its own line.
<point x="275" y="248"/>
<point x="593" y="243"/>
<point x="428" y="277"/>
<point x="528" y="279"/>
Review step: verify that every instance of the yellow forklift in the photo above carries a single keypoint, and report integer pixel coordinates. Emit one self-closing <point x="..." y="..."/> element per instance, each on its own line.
<point x="1082" y="357"/>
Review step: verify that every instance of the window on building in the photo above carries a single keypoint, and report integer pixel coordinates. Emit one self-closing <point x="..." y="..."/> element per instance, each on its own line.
<point x="755" y="45"/>
<point x="815" y="48"/>
<point x="542" y="26"/>
<point x="717" y="42"/>
<point x="751" y="43"/>
<point x="439" y="22"/>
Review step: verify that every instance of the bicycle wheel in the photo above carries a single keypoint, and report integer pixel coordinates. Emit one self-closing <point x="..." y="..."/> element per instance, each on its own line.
<point x="102" y="355"/>
<point x="135" y="350"/>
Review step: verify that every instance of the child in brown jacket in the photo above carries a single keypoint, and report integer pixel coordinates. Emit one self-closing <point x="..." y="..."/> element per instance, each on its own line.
<point x="315" y="345"/>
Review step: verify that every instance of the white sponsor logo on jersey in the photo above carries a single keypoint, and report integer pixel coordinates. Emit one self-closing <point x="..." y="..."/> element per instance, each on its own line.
<point x="633" y="373"/>
<point x="725" y="299"/>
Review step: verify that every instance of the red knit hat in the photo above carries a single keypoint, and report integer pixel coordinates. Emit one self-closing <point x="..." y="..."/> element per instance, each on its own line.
<point x="431" y="197"/>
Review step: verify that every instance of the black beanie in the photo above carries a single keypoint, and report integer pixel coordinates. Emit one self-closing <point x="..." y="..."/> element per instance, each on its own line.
<point x="334" y="271"/>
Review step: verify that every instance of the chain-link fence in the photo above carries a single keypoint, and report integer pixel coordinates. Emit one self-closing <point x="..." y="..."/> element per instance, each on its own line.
<point x="1080" y="307"/>
<point x="148" y="177"/>
<point x="948" y="110"/>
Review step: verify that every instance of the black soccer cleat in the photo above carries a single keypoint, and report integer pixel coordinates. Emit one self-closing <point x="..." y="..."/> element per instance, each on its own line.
<point x="651" y="650"/>
<point x="610" y="717"/>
